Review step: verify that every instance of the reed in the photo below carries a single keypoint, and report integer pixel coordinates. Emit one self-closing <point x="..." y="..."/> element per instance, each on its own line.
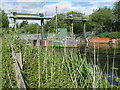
<point x="48" y="68"/>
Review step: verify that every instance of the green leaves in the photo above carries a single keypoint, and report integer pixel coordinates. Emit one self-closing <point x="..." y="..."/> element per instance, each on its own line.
<point x="103" y="19"/>
<point x="116" y="11"/>
<point x="31" y="29"/>
<point x="3" y="19"/>
<point x="109" y="35"/>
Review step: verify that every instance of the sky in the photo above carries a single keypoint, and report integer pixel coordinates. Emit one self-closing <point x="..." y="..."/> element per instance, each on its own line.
<point x="48" y="6"/>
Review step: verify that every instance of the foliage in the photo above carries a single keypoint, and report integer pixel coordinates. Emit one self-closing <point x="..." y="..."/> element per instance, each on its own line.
<point x="7" y="30"/>
<point x="8" y="72"/>
<point x="102" y="19"/>
<point x="117" y="8"/>
<point x="109" y="34"/>
<point x="30" y="29"/>
<point x="50" y="26"/>
<point x="3" y="19"/>
<point x="26" y="29"/>
<point x="23" y="24"/>
<point x="116" y="11"/>
<point x="46" y="68"/>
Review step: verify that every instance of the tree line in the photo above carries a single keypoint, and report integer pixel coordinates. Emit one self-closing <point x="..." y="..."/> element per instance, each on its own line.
<point x="101" y="20"/>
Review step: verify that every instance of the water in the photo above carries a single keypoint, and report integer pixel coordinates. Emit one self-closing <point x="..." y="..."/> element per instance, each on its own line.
<point x="106" y="56"/>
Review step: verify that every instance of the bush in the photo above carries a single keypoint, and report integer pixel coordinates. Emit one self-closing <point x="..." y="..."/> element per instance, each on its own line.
<point x="109" y="35"/>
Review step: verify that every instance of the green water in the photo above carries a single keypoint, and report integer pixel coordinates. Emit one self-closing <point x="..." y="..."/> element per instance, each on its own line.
<point x="105" y="58"/>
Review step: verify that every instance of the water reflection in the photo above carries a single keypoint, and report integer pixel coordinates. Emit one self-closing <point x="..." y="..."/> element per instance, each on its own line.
<point x="104" y="55"/>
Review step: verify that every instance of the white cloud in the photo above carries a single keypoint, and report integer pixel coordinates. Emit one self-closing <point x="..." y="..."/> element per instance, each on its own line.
<point x="108" y="0"/>
<point x="30" y="6"/>
<point x="66" y="6"/>
<point x="98" y="0"/>
<point x="30" y="0"/>
<point x="21" y="7"/>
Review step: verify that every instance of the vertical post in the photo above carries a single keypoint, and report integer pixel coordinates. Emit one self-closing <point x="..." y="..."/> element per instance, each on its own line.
<point x="42" y="21"/>
<point x="84" y="30"/>
<point x="14" y="13"/>
<point x="72" y="28"/>
<point x="14" y="24"/>
<point x="56" y="21"/>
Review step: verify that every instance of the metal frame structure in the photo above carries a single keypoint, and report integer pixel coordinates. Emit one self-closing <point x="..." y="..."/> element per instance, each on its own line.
<point x="42" y="18"/>
<point x="78" y="20"/>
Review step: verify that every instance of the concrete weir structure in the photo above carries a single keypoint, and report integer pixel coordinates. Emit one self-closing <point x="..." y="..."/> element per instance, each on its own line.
<point x="62" y="43"/>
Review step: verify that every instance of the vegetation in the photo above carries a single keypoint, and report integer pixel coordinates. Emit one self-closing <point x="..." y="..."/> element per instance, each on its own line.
<point x="3" y="19"/>
<point x="31" y="29"/>
<point x="109" y="35"/>
<point x="103" y="19"/>
<point x="46" y="68"/>
<point x="23" y="24"/>
<point x="116" y="11"/>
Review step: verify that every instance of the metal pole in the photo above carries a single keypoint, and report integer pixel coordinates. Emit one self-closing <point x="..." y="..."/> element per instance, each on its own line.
<point x="72" y="28"/>
<point x="42" y="21"/>
<point x="14" y="24"/>
<point x="14" y="14"/>
<point x="56" y="21"/>
<point x="84" y="30"/>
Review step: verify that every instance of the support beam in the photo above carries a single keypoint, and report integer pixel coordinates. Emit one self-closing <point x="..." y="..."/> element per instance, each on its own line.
<point x="29" y="18"/>
<point x="19" y="78"/>
<point x="20" y="81"/>
<point x="19" y="59"/>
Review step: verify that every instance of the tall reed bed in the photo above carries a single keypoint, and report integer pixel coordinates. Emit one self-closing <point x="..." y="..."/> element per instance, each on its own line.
<point x="48" y="68"/>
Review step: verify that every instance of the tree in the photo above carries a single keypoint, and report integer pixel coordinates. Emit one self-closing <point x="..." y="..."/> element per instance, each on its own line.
<point x="116" y="11"/>
<point x="23" y="23"/>
<point x="50" y="26"/>
<point x="103" y="19"/>
<point x="31" y="29"/>
<point x="4" y="22"/>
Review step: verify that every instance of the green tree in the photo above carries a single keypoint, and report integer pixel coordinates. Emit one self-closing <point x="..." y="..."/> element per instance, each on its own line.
<point x="23" y="23"/>
<point x="31" y="29"/>
<point x="50" y="26"/>
<point x="103" y="19"/>
<point x="4" y="22"/>
<point x="117" y="14"/>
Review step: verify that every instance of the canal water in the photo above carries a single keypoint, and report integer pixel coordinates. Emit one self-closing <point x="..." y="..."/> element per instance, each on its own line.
<point x="106" y="56"/>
